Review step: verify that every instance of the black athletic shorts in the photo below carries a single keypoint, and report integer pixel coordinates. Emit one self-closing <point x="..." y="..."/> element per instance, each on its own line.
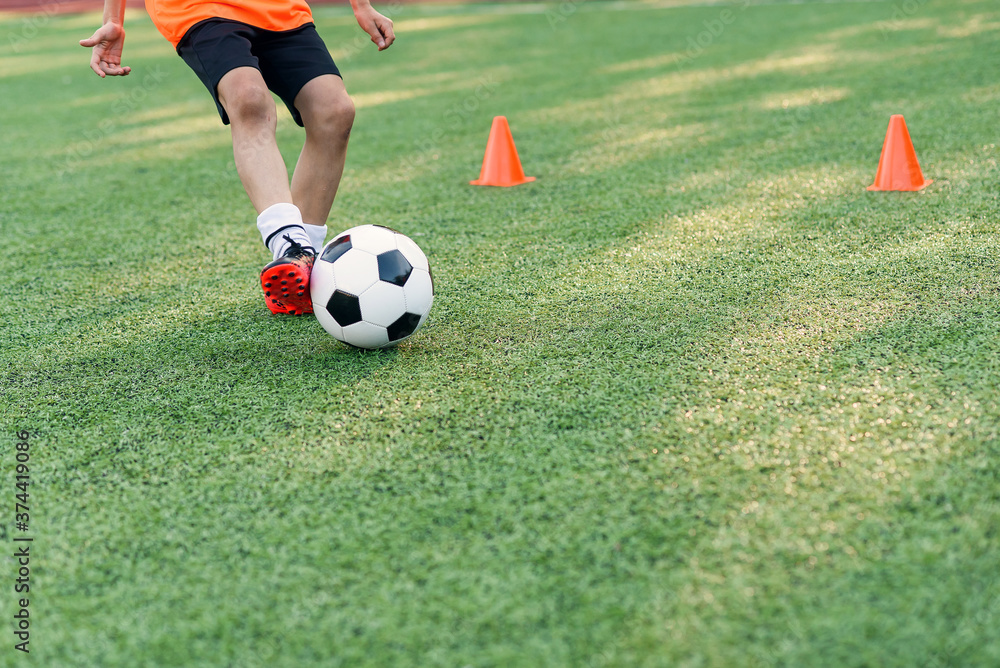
<point x="287" y="60"/>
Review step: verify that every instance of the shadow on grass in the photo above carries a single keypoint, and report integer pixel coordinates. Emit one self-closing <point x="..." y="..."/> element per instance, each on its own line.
<point x="153" y="380"/>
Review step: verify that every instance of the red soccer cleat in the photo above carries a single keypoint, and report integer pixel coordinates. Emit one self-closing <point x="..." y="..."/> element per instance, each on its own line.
<point x="286" y="280"/>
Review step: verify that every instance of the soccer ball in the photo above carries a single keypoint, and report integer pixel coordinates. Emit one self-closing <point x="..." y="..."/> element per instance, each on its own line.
<point x="371" y="287"/>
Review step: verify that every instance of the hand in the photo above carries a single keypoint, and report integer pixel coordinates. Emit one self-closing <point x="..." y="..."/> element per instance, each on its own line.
<point x="376" y="25"/>
<point x="106" y="57"/>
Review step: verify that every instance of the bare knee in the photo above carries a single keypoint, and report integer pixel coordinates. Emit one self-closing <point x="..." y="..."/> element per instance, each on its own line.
<point x="330" y="118"/>
<point x="248" y="101"/>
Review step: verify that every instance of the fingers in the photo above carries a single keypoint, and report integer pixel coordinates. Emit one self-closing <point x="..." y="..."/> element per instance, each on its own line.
<point x="390" y="37"/>
<point x="105" y="59"/>
<point x="104" y="68"/>
<point x="381" y="33"/>
<point x="376" y="35"/>
<point x="114" y="69"/>
<point x="94" y="39"/>
<point x="95" y="64"/>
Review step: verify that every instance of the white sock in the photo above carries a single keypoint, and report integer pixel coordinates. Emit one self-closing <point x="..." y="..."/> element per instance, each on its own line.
<point x="317" y="235"/>
<point x="279" y="221"/>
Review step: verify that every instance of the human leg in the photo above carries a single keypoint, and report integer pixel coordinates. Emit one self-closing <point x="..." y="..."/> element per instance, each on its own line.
<point x="253" y="119"/>
<point x="327" y="114"/>
<point x="224" y="55"/>
<point x="297" y="67"/>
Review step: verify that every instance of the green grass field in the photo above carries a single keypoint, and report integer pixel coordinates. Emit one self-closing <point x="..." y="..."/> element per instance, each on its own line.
<point x="693" y="398"/>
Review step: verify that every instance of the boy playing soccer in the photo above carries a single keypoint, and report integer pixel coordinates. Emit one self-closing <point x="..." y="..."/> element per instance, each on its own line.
<point x="240" y="51"/>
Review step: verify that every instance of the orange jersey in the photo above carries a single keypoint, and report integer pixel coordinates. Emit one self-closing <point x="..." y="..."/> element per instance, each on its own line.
<point x="173" y="18"/>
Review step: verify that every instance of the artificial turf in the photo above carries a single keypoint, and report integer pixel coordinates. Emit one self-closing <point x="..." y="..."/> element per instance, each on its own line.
<point x="693" y="398"/>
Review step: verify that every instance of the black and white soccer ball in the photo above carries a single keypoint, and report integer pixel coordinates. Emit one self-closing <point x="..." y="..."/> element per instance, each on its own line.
<point x="371" y="287"/>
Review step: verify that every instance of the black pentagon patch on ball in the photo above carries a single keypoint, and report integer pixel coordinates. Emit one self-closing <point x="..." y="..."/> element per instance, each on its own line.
<point x="403" y="327"/>
<point x="336" y="249"/>
<point x="345" y="308"/>
<point x="393" y="267"/>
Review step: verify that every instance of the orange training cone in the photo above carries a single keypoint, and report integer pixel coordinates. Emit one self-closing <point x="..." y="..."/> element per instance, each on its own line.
<point x="501" y="166"/>
<point x="898" y="168"/>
